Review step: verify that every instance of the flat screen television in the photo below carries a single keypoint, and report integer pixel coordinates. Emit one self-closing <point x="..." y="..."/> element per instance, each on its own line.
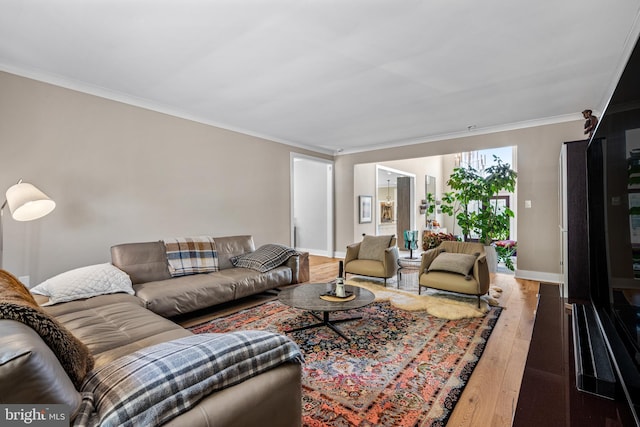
<point x="613" y="183"/>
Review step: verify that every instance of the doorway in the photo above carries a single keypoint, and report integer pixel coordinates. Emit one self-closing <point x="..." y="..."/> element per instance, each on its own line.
<point x="371" y="179"/>
<point x="395" y="198"/>
<point x="312" y="205"/>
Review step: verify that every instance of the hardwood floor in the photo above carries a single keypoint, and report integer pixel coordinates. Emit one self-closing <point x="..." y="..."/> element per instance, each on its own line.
<point x="491" y="396"/>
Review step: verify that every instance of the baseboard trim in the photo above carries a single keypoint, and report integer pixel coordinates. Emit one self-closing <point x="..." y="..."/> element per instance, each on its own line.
<point x="317" y="252"/>
<point x="539" y="276"/>
<point x="323" y="253"/>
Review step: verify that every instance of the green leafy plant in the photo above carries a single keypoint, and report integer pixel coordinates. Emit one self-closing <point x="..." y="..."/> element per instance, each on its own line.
<point x="504" y="254"/>
<point x="489" y="220"/>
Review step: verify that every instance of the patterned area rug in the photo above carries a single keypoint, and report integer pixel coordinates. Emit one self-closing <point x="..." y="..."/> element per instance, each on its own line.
<point x="401" y="368"/>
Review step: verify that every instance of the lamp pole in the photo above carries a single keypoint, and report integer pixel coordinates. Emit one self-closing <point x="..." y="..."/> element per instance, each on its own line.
<point x="2" y="231"/>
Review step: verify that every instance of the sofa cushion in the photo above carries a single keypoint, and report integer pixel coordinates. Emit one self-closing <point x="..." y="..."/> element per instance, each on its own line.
<point x="111" y="328"/>
<point x="133" y="390"/>
<point x="265" y="258"/>
<point x="84" y="282"/>
<point x="453" y="263"/>
<point x="373" y="247"/>
<point x="30" y="372"/>
<point x="189" y="293"/>
<point x="231" y="246"/>
<point x="73" y="355"/>
<point x="446" y="281"/>
<point x="143" y="262"/>
<point x="191" y="255"/>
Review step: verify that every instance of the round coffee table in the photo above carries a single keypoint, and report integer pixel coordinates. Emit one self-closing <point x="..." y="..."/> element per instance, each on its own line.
<point x="307" y="297"/>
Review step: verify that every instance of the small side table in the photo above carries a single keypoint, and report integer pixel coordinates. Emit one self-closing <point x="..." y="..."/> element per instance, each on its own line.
<point x="409" y="266"/>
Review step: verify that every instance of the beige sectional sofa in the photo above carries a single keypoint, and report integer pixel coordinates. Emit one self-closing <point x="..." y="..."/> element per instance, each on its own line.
<point x="115" y="326"/>
<point x="146" y="264"/>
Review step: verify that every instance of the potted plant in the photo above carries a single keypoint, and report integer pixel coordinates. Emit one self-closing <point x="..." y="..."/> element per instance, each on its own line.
<point x="505" y="249"/>
<point x="473" y="205"/>
<point x="432" y="240"/>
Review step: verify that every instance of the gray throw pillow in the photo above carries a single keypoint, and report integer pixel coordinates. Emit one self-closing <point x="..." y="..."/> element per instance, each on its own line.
<point x="373" y="247"/>
<point x="265" y="258"/>
<point x="453" y="263"/>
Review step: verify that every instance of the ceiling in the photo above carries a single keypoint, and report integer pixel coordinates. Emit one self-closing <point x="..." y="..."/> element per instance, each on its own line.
<point x="387" y="177"/>
<point x="333" y="76"/>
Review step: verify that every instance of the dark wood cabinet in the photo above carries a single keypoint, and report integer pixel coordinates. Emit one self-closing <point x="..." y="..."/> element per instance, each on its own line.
<point x="574" y="224"/>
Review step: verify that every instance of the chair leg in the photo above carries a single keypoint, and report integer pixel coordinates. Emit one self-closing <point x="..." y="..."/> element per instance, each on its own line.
<point x="478" y="301"/>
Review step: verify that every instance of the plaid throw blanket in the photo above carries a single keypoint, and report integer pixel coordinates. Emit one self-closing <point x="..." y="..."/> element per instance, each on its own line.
<point x="158" y="383"/>
<point x="191" y="255"/>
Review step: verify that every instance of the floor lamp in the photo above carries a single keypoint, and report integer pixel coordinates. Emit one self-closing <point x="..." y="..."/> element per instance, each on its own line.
<point x="26" y="203"/>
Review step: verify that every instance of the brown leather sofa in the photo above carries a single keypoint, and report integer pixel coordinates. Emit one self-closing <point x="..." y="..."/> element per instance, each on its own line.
<point x="115" y="325"/>
<point x="146" y="264"/>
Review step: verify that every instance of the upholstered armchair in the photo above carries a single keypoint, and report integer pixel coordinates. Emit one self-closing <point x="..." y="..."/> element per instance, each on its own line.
<point x="375" y="256"/>
<point x="457" y="267"/>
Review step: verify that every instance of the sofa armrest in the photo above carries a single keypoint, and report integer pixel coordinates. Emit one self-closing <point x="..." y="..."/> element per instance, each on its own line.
<point x="427" y="259"/>
<point x="294" y="264"/>
<point x="303" y="267"/>
<point x="391" y="256"/>
<point x="481" y="274"/>
<point x="352" y="252"/>
<point x="30" y="371"/>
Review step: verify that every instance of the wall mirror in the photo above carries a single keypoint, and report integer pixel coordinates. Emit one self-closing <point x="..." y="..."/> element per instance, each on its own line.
<point x="430" y="188"/>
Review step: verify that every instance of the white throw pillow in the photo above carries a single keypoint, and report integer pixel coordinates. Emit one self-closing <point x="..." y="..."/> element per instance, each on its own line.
<point x="84" y="282"/>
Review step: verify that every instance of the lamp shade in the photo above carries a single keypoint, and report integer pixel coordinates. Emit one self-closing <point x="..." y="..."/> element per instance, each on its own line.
<point x="27" y="203"/>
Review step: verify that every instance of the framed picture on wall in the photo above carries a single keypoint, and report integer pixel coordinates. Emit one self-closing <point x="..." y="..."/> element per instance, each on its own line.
<point x="365" y="209"/>
<point x="386" y="212"/>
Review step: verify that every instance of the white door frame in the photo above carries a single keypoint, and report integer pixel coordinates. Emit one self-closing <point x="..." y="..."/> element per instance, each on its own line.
<point x="329" y="251"/>
<point x="412" y="190"/>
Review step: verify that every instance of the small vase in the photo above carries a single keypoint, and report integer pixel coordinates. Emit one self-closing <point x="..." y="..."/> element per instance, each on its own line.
<point x="340" y="288"/>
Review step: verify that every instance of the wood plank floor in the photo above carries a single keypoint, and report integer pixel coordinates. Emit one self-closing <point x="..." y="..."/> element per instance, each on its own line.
<point x="491" y="396"/>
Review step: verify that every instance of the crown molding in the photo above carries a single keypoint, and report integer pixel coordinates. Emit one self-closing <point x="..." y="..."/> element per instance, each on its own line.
<point x="146" y="104"/>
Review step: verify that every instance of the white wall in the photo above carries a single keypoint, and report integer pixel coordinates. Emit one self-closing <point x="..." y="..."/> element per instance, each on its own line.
<point x="125" y="174"/>
<point x="365" y="185"/>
